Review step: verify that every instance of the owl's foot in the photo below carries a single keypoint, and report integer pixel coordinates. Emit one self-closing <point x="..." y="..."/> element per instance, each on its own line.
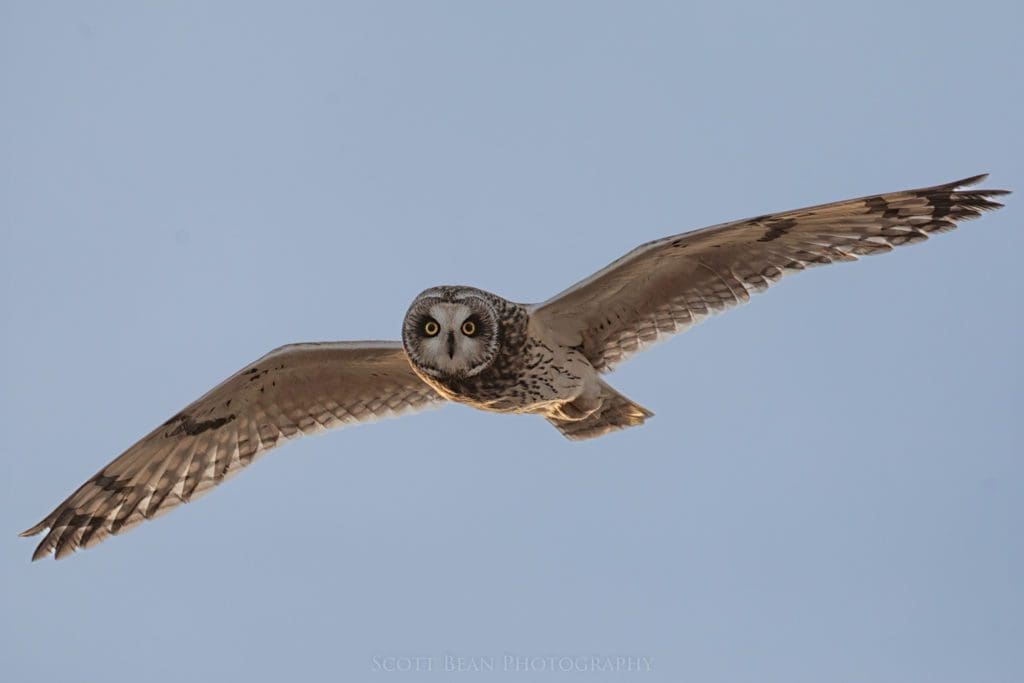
<point x="613" y="411"/>
<point x="578" y="409"/>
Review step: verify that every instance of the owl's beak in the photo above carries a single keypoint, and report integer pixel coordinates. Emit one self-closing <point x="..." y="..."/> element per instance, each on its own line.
<point x="451" y="345"/>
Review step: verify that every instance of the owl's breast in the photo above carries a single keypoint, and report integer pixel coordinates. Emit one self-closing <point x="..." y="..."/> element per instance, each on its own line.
<point x="529" y="382"/>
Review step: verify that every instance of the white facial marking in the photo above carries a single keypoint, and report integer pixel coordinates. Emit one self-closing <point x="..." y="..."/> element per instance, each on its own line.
<point x="450" y="316"/>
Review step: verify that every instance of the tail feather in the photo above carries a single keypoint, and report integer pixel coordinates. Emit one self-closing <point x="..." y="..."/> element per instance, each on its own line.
<point x="616" y="412"/>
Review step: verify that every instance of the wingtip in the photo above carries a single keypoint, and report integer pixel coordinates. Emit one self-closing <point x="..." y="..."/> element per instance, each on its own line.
<point x="43" y="549"/>
<point x="981" y="197"/>
<point x="33" y="531"/>
<point x="45" y="546"/>
<point x="972" y="180"/>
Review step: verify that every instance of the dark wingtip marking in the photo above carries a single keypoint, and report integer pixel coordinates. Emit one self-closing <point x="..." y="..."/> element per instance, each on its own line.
<point x="957" y="205"/>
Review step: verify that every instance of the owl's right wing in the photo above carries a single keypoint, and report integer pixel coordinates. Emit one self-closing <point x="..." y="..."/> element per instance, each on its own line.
<point x="294" y="390"/>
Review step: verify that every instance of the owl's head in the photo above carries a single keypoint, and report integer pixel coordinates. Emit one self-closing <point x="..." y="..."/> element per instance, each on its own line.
<point x="452" y="332"/>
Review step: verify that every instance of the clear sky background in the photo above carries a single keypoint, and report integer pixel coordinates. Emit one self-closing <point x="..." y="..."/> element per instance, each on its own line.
<point x="832" y="488"/>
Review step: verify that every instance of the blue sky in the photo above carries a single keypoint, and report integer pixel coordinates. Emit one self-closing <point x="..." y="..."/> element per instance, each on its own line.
<point x="832" y="487"/>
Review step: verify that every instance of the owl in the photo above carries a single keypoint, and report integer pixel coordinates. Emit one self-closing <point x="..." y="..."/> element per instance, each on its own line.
<point x="465" y="345"/>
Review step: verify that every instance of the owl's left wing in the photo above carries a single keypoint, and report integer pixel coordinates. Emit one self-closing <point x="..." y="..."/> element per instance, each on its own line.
<point x="294" y="390"/>
<point x="665" y="286"/>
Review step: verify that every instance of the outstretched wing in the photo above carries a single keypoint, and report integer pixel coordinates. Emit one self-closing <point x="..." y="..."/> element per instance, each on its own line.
<point x="665" y="286"/>
<point x="294" y="390"/>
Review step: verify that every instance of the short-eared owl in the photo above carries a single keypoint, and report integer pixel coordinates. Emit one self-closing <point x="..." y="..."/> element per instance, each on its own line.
<point x="469" y="346"/>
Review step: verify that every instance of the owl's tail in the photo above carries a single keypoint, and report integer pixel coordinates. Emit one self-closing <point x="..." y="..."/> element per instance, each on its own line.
<point x="615" y="412"/>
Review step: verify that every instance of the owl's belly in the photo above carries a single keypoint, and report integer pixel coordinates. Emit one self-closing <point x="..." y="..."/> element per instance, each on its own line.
<point x="503" y="397"/>
<point x="548" y="379"/>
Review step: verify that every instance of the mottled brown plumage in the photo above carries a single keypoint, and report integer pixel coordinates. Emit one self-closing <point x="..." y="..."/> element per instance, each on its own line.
<point x="474" y="347"/>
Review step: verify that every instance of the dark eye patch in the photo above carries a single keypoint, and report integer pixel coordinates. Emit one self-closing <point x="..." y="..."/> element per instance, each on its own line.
<point x="476" y="322"/>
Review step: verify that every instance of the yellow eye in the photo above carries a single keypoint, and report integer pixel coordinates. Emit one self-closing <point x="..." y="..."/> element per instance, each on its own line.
<point x="431" y="328"/>
<point x="469" y="328"/>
